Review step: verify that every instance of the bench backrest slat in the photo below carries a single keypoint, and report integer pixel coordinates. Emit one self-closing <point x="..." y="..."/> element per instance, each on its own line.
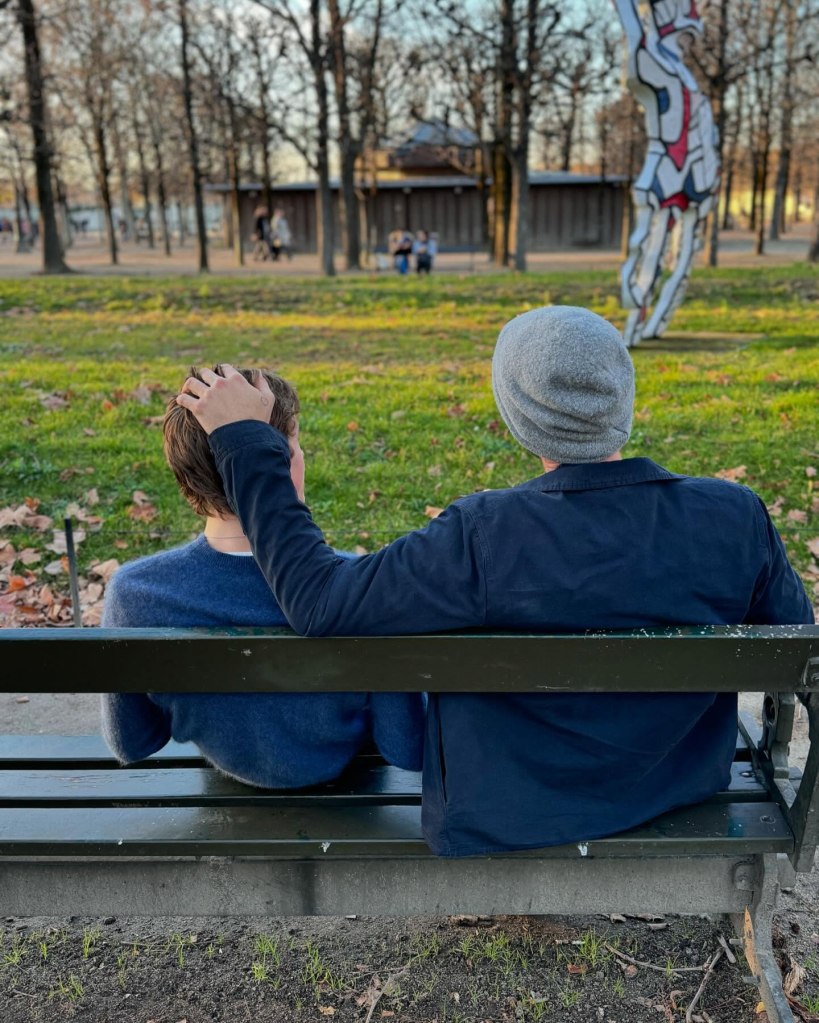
<point x="724" y="658"/>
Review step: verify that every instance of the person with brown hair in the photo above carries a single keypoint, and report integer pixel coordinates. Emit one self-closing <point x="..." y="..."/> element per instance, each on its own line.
<point x="275" y="740"/>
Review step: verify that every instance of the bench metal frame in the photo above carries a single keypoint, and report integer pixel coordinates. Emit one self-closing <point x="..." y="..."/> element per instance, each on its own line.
<point x="228" y="854"/>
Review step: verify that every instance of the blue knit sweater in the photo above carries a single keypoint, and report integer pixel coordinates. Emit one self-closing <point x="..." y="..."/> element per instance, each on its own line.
<point x="276" y="740"/>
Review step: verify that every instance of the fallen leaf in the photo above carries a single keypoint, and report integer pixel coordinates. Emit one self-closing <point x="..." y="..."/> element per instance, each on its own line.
<point x="810" y="471"/>
<point x="141" y="395"/>
<point x="17" y="583"/>
<point x="813" y="546"/>
<point x="576" y="967"/>
<point x="53" y="402"/>
<point x="153" y="421"/>
<point x="630" y="970"/>
<point x="55" y="567"/>
<point x="797" y="515"/>
<point x="352" y="426"/>
<point x="106" y="405"/>
<point x="358" y="549"/>
<point x="432" y="512"/>
<point x="104" y="569"/>
<point x="327" y="1010"/>
<point x="775" y="509"/>
<point x="60" y="544"/>
<point x="92" y="497"/>
<point x="737" y="473"/>
<point x="29" y="556"/>
<point x="142" y="510"/>
<point x="89" y="432"/>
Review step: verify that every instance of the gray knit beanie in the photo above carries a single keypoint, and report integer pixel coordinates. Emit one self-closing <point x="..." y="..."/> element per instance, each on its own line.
<point x="564" y="384"/>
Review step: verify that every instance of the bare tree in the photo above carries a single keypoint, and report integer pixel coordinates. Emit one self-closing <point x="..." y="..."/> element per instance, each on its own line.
<point x="183" y="21"/>
<point x="53" y="261"/>
<point x="303" y="118"/>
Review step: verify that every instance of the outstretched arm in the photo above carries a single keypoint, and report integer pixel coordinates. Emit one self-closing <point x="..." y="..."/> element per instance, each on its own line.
<point x="630" y="19"/>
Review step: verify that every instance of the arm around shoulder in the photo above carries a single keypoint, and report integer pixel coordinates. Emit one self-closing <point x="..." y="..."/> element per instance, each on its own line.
<point x="779" y="597"/>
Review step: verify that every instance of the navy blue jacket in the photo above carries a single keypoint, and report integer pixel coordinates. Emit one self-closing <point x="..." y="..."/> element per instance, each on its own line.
<point x="611" y="545"/>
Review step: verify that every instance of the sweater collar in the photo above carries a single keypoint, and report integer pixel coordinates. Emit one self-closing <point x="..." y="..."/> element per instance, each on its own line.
<point x="602" y="475"/>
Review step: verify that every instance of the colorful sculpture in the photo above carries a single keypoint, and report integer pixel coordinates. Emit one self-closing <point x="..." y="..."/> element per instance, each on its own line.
<point x="678" y="184"/>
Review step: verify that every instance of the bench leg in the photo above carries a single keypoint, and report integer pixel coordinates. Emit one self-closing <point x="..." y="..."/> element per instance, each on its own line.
<point x="754" y="927"/>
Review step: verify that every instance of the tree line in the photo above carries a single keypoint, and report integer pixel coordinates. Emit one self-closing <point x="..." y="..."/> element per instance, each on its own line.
<point x="157" y="98"/>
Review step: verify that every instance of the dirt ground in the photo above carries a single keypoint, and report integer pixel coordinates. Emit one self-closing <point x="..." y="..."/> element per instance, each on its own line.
<point x="422" y="970"/>
<point x="89" y="255"/>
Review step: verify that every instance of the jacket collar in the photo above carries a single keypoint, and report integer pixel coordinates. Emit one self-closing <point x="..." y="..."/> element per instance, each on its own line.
<point x="602" y="475"/>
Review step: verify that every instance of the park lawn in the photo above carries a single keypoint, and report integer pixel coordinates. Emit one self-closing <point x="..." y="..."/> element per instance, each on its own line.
<point x="398" y="417"/>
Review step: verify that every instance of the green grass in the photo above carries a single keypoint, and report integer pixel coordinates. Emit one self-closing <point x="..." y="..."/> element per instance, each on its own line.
<point x="394" y="380"/>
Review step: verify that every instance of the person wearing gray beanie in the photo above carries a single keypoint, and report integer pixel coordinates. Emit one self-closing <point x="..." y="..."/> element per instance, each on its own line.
<point x="563" y="381"/>
<point x="596" y="540"/>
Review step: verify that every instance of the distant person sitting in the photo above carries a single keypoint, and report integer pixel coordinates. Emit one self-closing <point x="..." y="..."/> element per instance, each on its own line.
<point x="276" y="740"/>
<point x="424" y="249"/>
<point x="402" y="250"/>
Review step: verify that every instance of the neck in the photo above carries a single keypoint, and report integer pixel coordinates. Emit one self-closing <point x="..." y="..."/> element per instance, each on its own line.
<point x="549" y="465"/>
<point x="225" y="534"/>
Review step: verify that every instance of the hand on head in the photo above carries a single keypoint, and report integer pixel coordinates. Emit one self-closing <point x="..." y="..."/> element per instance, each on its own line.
<point x="218" y="400"/>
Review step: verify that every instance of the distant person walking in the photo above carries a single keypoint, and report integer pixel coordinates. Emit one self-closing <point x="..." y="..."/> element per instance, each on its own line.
<point x="282" y="235"/>
<point x="261" y="234"/>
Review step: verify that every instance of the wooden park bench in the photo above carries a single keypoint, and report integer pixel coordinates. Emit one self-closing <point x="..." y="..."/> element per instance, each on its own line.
<point x="171" y="836"/>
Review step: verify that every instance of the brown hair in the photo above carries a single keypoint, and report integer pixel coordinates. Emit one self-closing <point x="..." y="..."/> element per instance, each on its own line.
<point x="188" y="453"/>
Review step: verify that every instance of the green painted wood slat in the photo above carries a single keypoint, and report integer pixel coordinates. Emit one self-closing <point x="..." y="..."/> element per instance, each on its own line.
<point x="741" y="658"/>
<point x="355" y="831"/>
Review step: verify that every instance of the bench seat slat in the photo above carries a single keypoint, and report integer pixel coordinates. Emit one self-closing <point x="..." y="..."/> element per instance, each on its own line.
<point x="317" y="833"/>
<point x="364" y="782"/>
<point x="86" y="752"/>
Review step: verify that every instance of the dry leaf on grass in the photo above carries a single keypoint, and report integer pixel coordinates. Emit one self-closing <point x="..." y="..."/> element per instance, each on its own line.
<point x="142" y="510"/>
<point x="103" y="569"/>
<point x="797" y="515"/>
<point x="737" y="473"/>
<point x="432" y="512"/>
<point x="813" y="546"/>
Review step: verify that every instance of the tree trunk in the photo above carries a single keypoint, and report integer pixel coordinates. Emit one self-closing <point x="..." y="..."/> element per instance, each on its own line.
<point x="236" y="198"/>
<point x="501" y="170"/>
<point x="52" y="262"/>
<point x="324" y="197"/>
<point x="520" y="206"/>
<point x="761" y="192"/>
<point x="348" y="146"/>
<point x="144" y="179"/>
<point x="813" y="252"/>
<point x="183" y="227"/>
<point x="104" y="178"/>
<point x="501" y="203"/>
<point x="22" y="236"/>
<point x="161" y="193"/>
<point x="124" y="195"/>
<point x="193" y="141"/>
<point x="785" y="131"/>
